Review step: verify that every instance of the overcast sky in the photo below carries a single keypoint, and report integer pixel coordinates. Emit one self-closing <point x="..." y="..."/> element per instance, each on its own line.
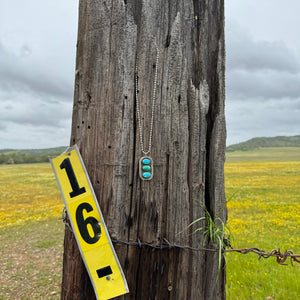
<point x="37" y="63"/>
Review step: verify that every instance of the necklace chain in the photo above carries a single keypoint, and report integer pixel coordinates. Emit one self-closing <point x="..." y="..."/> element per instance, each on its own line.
<point x="152" y="109"/>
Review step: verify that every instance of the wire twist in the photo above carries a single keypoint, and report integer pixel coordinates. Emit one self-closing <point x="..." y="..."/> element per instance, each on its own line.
<point x="281" y="258"/>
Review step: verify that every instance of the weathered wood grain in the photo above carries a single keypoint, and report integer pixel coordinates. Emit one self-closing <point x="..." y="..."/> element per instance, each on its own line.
<point x="188" y="139"/>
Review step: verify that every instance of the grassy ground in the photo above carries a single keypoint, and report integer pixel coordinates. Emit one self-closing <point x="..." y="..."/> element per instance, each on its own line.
<point x="28" y="192"/>
<point x="31" y="233"/>
<point x="265" y="154"/>
<point x="31" y="260"/>
<point x="265" y="214"/>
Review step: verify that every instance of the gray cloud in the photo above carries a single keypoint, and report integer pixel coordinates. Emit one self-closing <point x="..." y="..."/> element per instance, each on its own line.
<point x="24" y="72"/>
<point x="37" y="57"/>
<point x="263" y="87"/>
<point x="20" y="136"/>
<point x="259" y="69"/>
<point x="266" y="118"/>
<point x="266" y="84"/>
<point x="29" y="110"/>
<point x="244" y="53"/>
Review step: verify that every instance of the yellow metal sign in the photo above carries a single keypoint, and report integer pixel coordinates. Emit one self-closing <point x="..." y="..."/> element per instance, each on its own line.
<point x="88" y="225"/>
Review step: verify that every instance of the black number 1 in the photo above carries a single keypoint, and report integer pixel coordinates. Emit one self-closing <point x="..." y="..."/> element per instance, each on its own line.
<point x="66" y="164"/>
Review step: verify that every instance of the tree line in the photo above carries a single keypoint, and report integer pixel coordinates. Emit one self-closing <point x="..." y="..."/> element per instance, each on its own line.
<point x="28" y="156"/>
<point x="21" y="158"/>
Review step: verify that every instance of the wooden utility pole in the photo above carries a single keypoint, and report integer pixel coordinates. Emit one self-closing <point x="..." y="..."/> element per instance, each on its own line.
<point x="188" y="145"/>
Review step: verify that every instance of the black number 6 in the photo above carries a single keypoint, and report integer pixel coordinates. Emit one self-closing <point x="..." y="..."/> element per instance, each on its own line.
<point x="83" y="223"/>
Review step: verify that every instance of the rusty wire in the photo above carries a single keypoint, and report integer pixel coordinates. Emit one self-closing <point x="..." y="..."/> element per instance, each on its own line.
<point x="65" y="219"/>
<point x="281" y="258"/>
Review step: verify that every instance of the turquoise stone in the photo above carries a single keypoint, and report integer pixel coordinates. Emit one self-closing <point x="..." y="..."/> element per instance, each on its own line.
<point x="146" y="168"/>
<point x="146" y="175"/>
<point x="146" y="161"/>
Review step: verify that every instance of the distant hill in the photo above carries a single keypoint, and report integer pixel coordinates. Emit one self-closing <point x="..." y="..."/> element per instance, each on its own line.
<point x="34" y="151"/>
<point x="266" y="142"/>
<point x="16" y="156"/>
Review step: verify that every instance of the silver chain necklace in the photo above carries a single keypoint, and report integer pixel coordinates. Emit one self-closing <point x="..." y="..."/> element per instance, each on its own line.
<point x="146" y="162"/>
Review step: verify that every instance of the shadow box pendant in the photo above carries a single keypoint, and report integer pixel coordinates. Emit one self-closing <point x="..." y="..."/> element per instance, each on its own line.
<point x="146" y="168"/>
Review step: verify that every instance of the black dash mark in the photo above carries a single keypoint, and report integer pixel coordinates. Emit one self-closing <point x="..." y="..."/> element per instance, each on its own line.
<point x="104" y="271"/>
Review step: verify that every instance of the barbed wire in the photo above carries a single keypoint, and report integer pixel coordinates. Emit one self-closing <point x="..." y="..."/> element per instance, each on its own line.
<point x="281" y="258"/>
<point x="66" y="220"/>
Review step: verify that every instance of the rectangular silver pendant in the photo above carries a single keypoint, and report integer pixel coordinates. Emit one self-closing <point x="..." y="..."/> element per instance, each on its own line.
<point x="146" y="168"/>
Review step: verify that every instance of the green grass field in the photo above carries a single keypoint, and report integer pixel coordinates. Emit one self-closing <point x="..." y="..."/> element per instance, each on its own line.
<point x="31" y="234"/>
<point x="265" y="154"/>
<point x="265" y="213"/>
